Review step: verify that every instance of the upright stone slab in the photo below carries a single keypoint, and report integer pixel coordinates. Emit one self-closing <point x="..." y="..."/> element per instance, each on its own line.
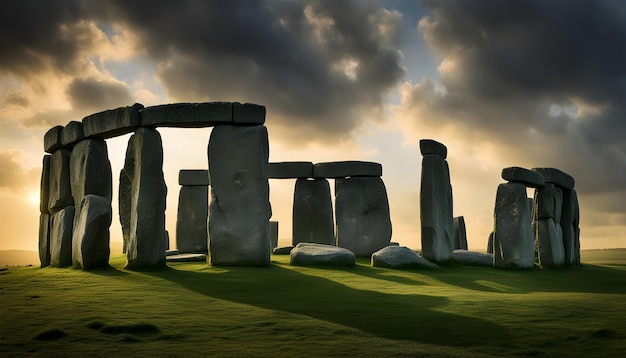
<point x="125" y="196"/>
<point x="490" y="243"/>
<point x="60" y="192"/>
<point x="90" y="239"/>
<point x="460" y="234"/>
<point x="44" y="188"/>
<point x="191" y="222"/>
<point x="61" y="228"/>
<point x="513" y="237"/>
<point x="148" y="238"/>
<point x="44" y="239"/>
<point x="312" y="213"/>
<point x="362" y="212"/>
<point x="570" y="225"/>
<point x="437" y="223"/>
<point x="112" y="123"/>
<point x="193" y="177"/>
<point x="90" y="170"/>
<point x="274" y="234"/>
<point x="549" y="238"/>
<point x="239" y="210"/>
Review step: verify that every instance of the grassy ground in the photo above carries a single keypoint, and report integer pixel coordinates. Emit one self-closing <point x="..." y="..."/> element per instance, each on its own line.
<point x="196" y="310"/>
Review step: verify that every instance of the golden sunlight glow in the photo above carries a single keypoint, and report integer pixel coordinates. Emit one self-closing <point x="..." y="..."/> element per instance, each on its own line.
<point x="33" y="198"/>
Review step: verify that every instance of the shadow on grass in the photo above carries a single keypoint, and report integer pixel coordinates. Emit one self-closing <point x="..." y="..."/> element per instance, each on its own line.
<point x="394" y="316"/>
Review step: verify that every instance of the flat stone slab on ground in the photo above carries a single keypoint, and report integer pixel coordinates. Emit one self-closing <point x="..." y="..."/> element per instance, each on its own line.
<point x="472" y="258"/>
<point x="290" y="170"/>
<point x="556" y="176"/>
<point x="186" y="258"/>
<point x="53" y="139"/>
<point x="193" y="177"/>
<point x="187" y="115"/>
<point x="112" y="123"/>
<point x="350" y="168"/>
<point x="398" y="257"/>
<point x="429" y="146"/>
<point x="527" y="177"/>
<point x="308" y="254"/>
<point x="282" y="250"/>
<point x="171" y="252"/>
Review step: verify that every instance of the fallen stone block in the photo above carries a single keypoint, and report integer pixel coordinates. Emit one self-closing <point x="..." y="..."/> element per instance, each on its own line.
<point x="193" y="177"/>
<point x="191" y="221"/>
<point x="90" y="170"/>
<point x="471" y="258"/>
<point x="312" y="213"/>
<point x="112" y="123"/>
<point x="186" y="258"/>
<point x="60" y="192"/>
<point x="429" y="146"/>
<point x="520" y="175"/>
<point x="282" y="250"/>
<point x="556" y="176"/>
<point x="72" y="133"/>
<point x="248" y="113"/>
<point x="362" y="215"/>
<point x="61" y="228"/>
<point x="290" y="170"/>
<point x="187" y="115"/>
<point x="351" y="168"/>
<point x="90" y="239"/>
<point x="460" y="235"/>
<point x="53" y="139"/>
<point x="309" y="254"/>
<point x="399" y="257"/>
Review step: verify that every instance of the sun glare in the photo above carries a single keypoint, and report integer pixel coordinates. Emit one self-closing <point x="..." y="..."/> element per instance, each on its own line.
<point x="33" y="198"/>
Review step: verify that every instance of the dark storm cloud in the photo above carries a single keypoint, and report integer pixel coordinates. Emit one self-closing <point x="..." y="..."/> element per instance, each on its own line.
<point x="320" y="65"/>
<point x="93" y="95"/>
<point x="545" y="77"/>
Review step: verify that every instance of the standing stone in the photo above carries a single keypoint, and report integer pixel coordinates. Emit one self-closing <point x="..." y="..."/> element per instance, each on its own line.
<point x="549" y="243"/>
<point x="90" y="169"/>
<point x="513" y="237"/>
<point x="437" y="222"/>
<point x="44" y="188"/>
<point x="312" y="213"/>
<point x="44" y="239"/>
<point x="362" y="212"/>
<point x="570" y="224"/>
<point x="274" y="234"/>
<point x="124" y="204"/>
<point x="191" y="222"/>
<point x="148" y="238"/>
<point x="239" y="210"/>
<point x="60" y="192"/>
<point x="61" y="228"/>
<point x="460" y="234"/>
<point x="490" y="243"/>
<point x="90" y="240"/>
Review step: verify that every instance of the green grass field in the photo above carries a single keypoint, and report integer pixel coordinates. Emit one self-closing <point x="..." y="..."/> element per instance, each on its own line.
<point x="192" y="309"/>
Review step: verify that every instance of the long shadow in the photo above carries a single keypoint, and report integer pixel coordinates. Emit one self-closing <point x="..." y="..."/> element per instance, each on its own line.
<point x="406" y="317"/>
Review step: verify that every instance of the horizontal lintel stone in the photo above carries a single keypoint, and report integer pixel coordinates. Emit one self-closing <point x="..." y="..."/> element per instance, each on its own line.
<point x="556" y="176"/>
<point x="351" y="168"/>
<point x="248" y="113"/>
<point x="188" y="115"/>
<point x="53" y="139"/>
<point x="429" y="146"/>
<point x="72" y="133"/>
<point x="112" y="123"/>
<point x="193" y="177"/>
<point x="527" y="177"/>
<point x="290" y="170"/>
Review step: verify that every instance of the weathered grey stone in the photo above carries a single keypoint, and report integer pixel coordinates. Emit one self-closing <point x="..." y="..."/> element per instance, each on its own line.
<point x="248" y="113"/>
<point x="125" y="195"/>
<point x="309" y="254"/>
<point x="290" y="170"/>
<point x="471" y="258"/>
<point x="394" y="244"/>
<point x="399" y="257"/>
<point x="362" y="214"/>
<point x="549" y="201"/>
<point x="282" y="250"/>
<point x="191" y="222"/>
<point x="90" y="170"/>
<point x="490" y="243"/>
<point x="429" y="146"/>
<point x="44" y="187"/>
<point x="72" y="133"/>
<point x="60" y="192"/>
<point x="312" y="213"/>
<point x="148" y="238"/>
<point x="239" y="210"/>
<point x="193" y="177"/>
<point x="187" y="115"/>
<point x="186" y="258"/>
<point x="557" y="177"/>
<point x="460" y="234"/>
<point x="570" y="225"/>
<point x="437" y="223"/>
<point x="527" y="177"/>
<point x="53" y="139"/>
<point x="44" y="239"/>
<point x="513" y="237"/>
<point x="550" y="243"/>
<point x="61" y="228"/>
<point x="351" y="168"/>
<point x="112" y="123"/>
<point x="274" y="234"/>
<point x="90" y="239"/>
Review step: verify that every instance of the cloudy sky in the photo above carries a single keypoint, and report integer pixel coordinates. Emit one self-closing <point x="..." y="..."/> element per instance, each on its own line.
<point x="532" y="83"/>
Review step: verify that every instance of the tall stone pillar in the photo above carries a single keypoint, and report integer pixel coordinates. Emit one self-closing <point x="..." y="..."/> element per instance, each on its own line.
<point x="239" y="209"/>
<point x="312" y="212"/>
<point x="193" y="212"/>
